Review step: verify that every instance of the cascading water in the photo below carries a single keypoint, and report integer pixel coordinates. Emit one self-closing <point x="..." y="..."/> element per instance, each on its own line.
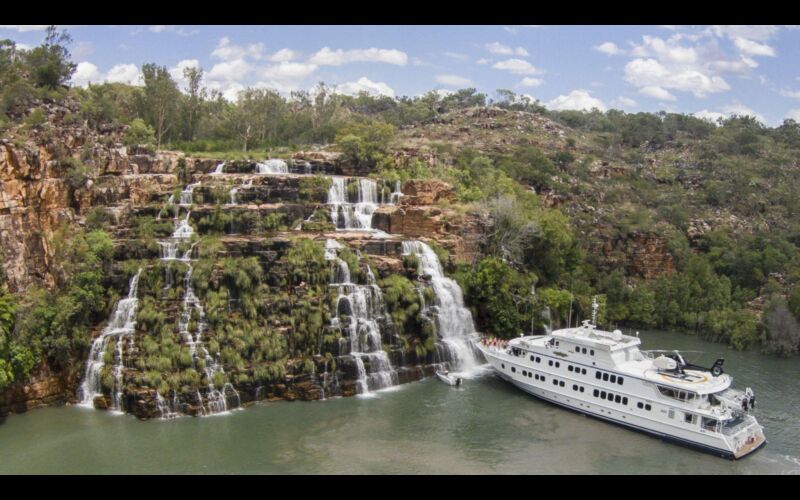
<point x="216" y="400"/>
<point x="121" y="325"/>
<point x="235" y="190"/>
<point x="186" y="194"/>
<point x="358" y="309"/>
<point x="183" y="229"/>
<point x="273" y="166"/>
<point x="454" y="324"/>
<point x="352" y="215"/>
<point x="394" y="197"/>
<point x="218" y="170"/>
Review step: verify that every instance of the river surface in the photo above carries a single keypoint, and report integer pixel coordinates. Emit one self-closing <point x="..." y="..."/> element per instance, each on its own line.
<point x="487" y="426"/>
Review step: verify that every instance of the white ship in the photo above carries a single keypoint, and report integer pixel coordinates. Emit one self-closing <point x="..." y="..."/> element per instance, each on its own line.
<point x="605" y="375"/>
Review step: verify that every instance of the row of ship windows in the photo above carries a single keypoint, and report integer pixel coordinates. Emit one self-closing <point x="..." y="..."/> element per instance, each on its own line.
<point x="614" y="379"/>
<point x="616" y="398"/>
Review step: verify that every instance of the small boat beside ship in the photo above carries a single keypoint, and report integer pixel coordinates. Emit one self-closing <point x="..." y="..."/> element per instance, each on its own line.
<point x="604" y="375"/>
<point x="449" y="378"/>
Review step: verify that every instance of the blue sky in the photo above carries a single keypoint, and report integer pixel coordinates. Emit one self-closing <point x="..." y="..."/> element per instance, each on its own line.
<point x="708" y="70"/>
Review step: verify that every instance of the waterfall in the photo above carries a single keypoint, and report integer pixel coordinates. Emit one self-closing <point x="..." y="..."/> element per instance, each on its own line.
<point x="358" y="309"/>
<point x="235" y="190"/>
<point x="183" y="229"/>
<point x="352" y="215"/>
<point x="218" y="170"/>
<point x="121" y="325"/>
<point x="186" y="194"/>
<point x="394" y="198"/>
<point x="454" y="324"/>
<point x="216" y="400"/>
<point x="273" y="166"/>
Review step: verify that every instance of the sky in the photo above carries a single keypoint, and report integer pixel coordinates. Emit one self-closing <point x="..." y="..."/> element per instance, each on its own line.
<point x="708" y="71"/>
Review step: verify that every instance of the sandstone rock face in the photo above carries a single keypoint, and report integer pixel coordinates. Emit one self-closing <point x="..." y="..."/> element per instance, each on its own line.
<point x="427" y="192"/>
<point x="43" y="389"/>
<point x="642" y="253"/>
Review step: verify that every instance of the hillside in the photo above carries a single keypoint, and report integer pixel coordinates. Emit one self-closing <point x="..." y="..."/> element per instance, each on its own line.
<point x="307" y="247"/>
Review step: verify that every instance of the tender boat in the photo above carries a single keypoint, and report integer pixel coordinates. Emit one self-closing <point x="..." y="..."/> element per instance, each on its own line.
<point x="604" y="375"/>
<point x="449" y="379"/>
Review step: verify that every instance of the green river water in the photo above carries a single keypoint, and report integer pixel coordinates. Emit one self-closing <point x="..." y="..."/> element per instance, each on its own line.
<point x="487" y="426"/>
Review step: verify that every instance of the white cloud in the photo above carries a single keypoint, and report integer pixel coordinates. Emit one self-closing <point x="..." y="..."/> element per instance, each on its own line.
<point x="83" y="50"/>
<point x="752" y="48"/>
<point x="177" y="71"/>
<point x="517" y="66"/>
<point x="226" y="51"/>
<point x="86" y="73"/>
<point x="453" y="80"/>
<point x="742" y="110"/>
<point x="530" y="82"/>
<point x="288" y="71"/>
<point x="649" y="72"/>
<point x="284" y="55"/>
<point x="657" y="93"/>
<point x="793" y="114"/>
<point x="624" y="102"/>
<point x="759" y="33"/>
<point x="163" y="28"/>
<point x="364" y="84"/>
<point x="499" y="48"/>
<point x="160" y="28"/>
<point x="328" y="57"/>
<point x="795" y="94"/>
<point x="483" y="60"/>
<point x="455" y="55"/>
<point x="578" y="100"/>
<point x="124" y="73"/>
<point x="23" y="28"/>
<point x="711" y="116"/>
<point x="229" y="71"/>
<point x="694" y="61"/>
<point x="608" y="48"/>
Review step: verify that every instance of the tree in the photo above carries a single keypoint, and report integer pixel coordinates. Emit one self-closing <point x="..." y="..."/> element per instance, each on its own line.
<point x="193" y="104"/>
<point x="50" y="63"/>
<point x="783" y="330"/>
<point x="159" y="101"/>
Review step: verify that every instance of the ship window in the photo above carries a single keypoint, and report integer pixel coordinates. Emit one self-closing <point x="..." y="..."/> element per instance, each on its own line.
<point x="709" y="424"/>
<point x="619" y="380"/>
<point x="595" y="393"/>
<point x="639" y="405"/>
<point x="558" y="343"/>
<point x="569" y="368"/>
<point x="605" y="377"/>
<point x="532" y="358"/>
<point x="574" y="387"/>
<point x="550" y="362"/>
<point x="613" y="379"/>
<point x="577" y="349"/>
<point x="555" y="382"/>
<point x="558" y="365"/>
<point x="583" y="350"/>
<point x="603" y="395"/>
<point x="671" y="413"/>
<point x="536" y="376"/>
<point x="538" y="359"/>
<point x="543" y="378"/>
<point x="524" y="373"/>
<point x="530" y="374"/>
<point x="625" y="401"/>
<point x="514" y="370"/>
<point x="581" y="388"/>
<point x="503" y="365"/>
<point x="690" y="418"/>
<point x="617" y="398"/>
<point x="648" y="407"/>
<point x="561" y="383"/>
<point x="583" y="371"/>
<point x="591" y="352"/>
<point x="597" y="375"/>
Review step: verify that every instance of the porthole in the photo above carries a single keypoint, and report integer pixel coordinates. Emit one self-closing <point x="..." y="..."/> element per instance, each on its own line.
<point x="613" y="379"/>
<point x="648" y="407"/>
<point x="639" y="405"/>
<point x="603" y="395"/>
<point x="569" y="368"/>
<point x="617" y="398"/>
<point x="605" y="377"/>
<point x="513" y="370"/>
<point x="550" y="363"/>
<point x="619" y="380"/>
<point x="583" y="371"/>
<point x="595" y="393"/>
<point x="625" y="401"/>
<point x="598" y="375"/>
<point x="581" y="388"/>
<point x="558" y="365"/>
<point x="503" y="365"/>
<point x="561" y="384"/>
